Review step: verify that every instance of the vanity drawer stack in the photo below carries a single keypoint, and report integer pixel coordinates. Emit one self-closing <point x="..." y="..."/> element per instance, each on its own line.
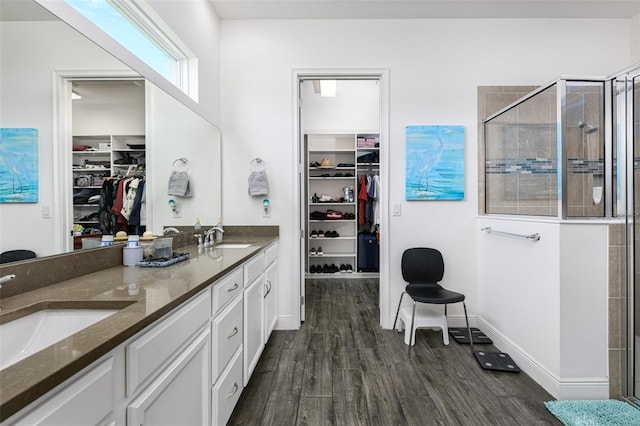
<point x="227" y="331"/>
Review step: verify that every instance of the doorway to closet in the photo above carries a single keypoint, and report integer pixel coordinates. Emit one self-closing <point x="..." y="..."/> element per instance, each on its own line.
<point x="341" y="169"/>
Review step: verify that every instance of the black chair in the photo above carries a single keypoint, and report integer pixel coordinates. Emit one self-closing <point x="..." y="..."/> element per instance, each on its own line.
<point x="423" y="269"/>
<point x="16" y="255"/>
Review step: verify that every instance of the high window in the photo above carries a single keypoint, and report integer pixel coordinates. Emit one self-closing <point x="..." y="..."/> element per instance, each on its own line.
<point x="138" y="28"/>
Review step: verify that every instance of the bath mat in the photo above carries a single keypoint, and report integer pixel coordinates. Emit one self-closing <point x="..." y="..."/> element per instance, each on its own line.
<point x="498" y="361"/>
<point x="461" y="335"/>
<point x="609" y="412"/>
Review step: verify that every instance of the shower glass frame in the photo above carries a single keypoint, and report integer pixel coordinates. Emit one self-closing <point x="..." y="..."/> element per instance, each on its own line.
<point x="525" y="180"/>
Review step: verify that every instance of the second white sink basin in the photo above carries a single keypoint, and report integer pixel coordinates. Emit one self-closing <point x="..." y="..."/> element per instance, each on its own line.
<point x="27" y="335"/>
<point x="232" y="245"/>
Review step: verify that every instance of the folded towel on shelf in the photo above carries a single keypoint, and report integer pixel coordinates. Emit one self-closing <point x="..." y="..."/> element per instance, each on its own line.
<point x="258" y="183"/>
<point x="179" y="184"/>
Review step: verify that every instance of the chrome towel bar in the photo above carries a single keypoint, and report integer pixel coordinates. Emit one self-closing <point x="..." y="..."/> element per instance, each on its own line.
<point x="530" y="237"/>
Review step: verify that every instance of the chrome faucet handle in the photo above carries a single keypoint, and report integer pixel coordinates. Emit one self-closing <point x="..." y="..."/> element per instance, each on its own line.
<point x="6" y="278"/>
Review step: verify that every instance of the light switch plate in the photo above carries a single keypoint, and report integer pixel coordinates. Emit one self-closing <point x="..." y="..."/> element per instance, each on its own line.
<point x="397" y="209"/>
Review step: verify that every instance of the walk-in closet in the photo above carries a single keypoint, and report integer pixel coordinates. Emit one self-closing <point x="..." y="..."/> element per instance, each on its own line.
<point x="341" y="150"/>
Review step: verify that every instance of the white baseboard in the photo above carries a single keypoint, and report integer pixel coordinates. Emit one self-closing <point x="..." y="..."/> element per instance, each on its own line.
<point x="286" y="323"/>
<point x="569" y="388"/>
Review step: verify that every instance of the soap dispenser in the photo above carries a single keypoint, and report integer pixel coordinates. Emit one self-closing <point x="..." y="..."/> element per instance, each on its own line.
<point x="197" y="226"/>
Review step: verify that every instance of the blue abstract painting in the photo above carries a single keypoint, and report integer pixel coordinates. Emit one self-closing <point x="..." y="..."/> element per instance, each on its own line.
<point x="434" y="163"/>
<point x="18" y="165"/>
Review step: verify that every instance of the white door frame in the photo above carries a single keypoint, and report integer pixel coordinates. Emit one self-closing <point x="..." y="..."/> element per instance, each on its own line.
<point x="61" y="206"/>
<point x="382" y="74"/>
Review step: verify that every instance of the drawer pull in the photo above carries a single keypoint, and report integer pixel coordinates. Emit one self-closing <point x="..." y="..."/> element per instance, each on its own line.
<point x="235" y="287"/>
<point x="233" y="392"/>
<point x="233" y="333"/>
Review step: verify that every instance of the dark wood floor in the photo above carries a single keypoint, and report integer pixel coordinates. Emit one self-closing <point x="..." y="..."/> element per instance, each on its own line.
<point x="341" y="368"/>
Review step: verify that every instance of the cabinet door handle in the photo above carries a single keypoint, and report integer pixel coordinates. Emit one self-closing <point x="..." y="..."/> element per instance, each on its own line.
<point x="268" y="288"/>
<point x="235" y="287"/>
<point x="233" y="392"/>
<point x="233" y="333"/>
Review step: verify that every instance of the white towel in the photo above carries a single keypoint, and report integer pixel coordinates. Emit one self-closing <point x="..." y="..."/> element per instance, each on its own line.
<point x="179" y="184"/>
<point x="258" y="183"/>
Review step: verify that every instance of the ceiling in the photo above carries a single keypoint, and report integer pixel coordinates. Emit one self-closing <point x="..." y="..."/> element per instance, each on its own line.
<point x="27" y="10"/>
<point x="419" y="9"/>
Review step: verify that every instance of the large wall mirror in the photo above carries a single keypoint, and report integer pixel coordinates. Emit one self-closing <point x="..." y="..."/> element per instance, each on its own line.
<point x="42" y="61"/>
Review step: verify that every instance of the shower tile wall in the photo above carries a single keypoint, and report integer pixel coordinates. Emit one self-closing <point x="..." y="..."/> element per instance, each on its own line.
<point x="492" y="99"/>
<point x="617" y="304"/>
<point x="521" y="159"/>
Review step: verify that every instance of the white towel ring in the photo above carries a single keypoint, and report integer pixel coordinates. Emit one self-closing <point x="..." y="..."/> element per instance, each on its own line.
<point x="257" y="164"/>
<point x="180" y="165"/>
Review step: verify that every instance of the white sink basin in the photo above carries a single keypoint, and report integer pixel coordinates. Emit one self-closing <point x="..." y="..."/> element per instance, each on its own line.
<point x="27" y="335"/>
<point x="232" y="245"/>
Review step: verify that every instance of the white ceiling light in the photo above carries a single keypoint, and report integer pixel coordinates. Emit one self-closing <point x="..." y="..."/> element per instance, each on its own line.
<point x="328" y="88"/>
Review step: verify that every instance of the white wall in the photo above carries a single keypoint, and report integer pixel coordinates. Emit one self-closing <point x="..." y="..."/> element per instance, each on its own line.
<point x="30" y="51"/>
<point x="181" y="134"/>
<point x="434" y="67"/>
<point x="545" y="302"/>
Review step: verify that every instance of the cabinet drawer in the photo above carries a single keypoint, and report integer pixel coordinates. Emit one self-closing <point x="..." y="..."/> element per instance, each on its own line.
<point x="253" y="268"/>
<point x="226" y="392"/>
<point x="271" y="254"/>
<point x="148" y="354"/>
<point x="227" y="333"/>
<point x="226" y="289"/>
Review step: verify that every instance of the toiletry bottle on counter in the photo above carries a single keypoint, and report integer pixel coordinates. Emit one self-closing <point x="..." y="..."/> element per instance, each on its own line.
<point x="197" y="226"/>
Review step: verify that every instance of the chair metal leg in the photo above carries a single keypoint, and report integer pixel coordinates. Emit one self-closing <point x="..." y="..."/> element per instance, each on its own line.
<point x="398" y="310"/>
<point x="466" y="318"/>
<point x="412" y="335"/>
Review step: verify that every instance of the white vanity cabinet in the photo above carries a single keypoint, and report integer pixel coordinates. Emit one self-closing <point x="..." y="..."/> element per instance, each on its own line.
<point x="270" y="291"/>
<point x="180" y="395"/>
<point x="187" y="368"/>
<point x="87" y="400"/>
<point x="253" y="329"/>
<point x="175" y="364"/>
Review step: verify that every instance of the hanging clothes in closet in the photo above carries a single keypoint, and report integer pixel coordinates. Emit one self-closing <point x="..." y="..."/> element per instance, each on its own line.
<point x="368" y="222"/>
<point x="122" y="205"/>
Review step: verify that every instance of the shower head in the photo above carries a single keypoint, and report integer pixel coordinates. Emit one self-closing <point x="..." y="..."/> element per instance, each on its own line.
<point x="588" y="128"/>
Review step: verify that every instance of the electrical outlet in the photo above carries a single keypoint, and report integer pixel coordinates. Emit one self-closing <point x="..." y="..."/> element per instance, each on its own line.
<point x="177" y="213"/>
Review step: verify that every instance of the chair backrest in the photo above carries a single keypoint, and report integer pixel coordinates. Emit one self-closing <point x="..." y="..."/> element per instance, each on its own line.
<point x="422" y="266"/>
<point x="15" y="255"/>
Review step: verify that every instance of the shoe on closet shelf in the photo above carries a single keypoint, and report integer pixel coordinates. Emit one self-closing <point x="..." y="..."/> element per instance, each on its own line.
<point x="313" y="252"/>
<point x="312" y="269"/>
<point x="321" y="234"/>
<point x="314" y="234"/>
<point x="343" y="268"/>
<point x="326" y="269"/>
<point x="348" y="269"/>
<point x="319" y="251"/>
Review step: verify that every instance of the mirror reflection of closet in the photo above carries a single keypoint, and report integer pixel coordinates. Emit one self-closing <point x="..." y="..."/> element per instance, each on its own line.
<point x="108" y="132"/>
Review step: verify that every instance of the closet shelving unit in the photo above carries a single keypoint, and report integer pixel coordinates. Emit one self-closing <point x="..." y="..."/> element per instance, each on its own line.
<point x="340" y="149"/>
<point x="106" y="149"/>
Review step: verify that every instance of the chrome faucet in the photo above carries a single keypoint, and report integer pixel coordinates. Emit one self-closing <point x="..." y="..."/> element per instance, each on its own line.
<point x="210" y="236"/>
<point x="170" y="229"/>
<point x="5" y="279"/>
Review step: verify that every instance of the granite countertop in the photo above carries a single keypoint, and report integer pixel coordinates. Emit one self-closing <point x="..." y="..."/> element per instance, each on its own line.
<point x="142" y="295"/>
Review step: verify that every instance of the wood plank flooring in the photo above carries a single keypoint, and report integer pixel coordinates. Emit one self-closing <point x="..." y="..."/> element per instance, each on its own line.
<point x="341" y="368"/>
